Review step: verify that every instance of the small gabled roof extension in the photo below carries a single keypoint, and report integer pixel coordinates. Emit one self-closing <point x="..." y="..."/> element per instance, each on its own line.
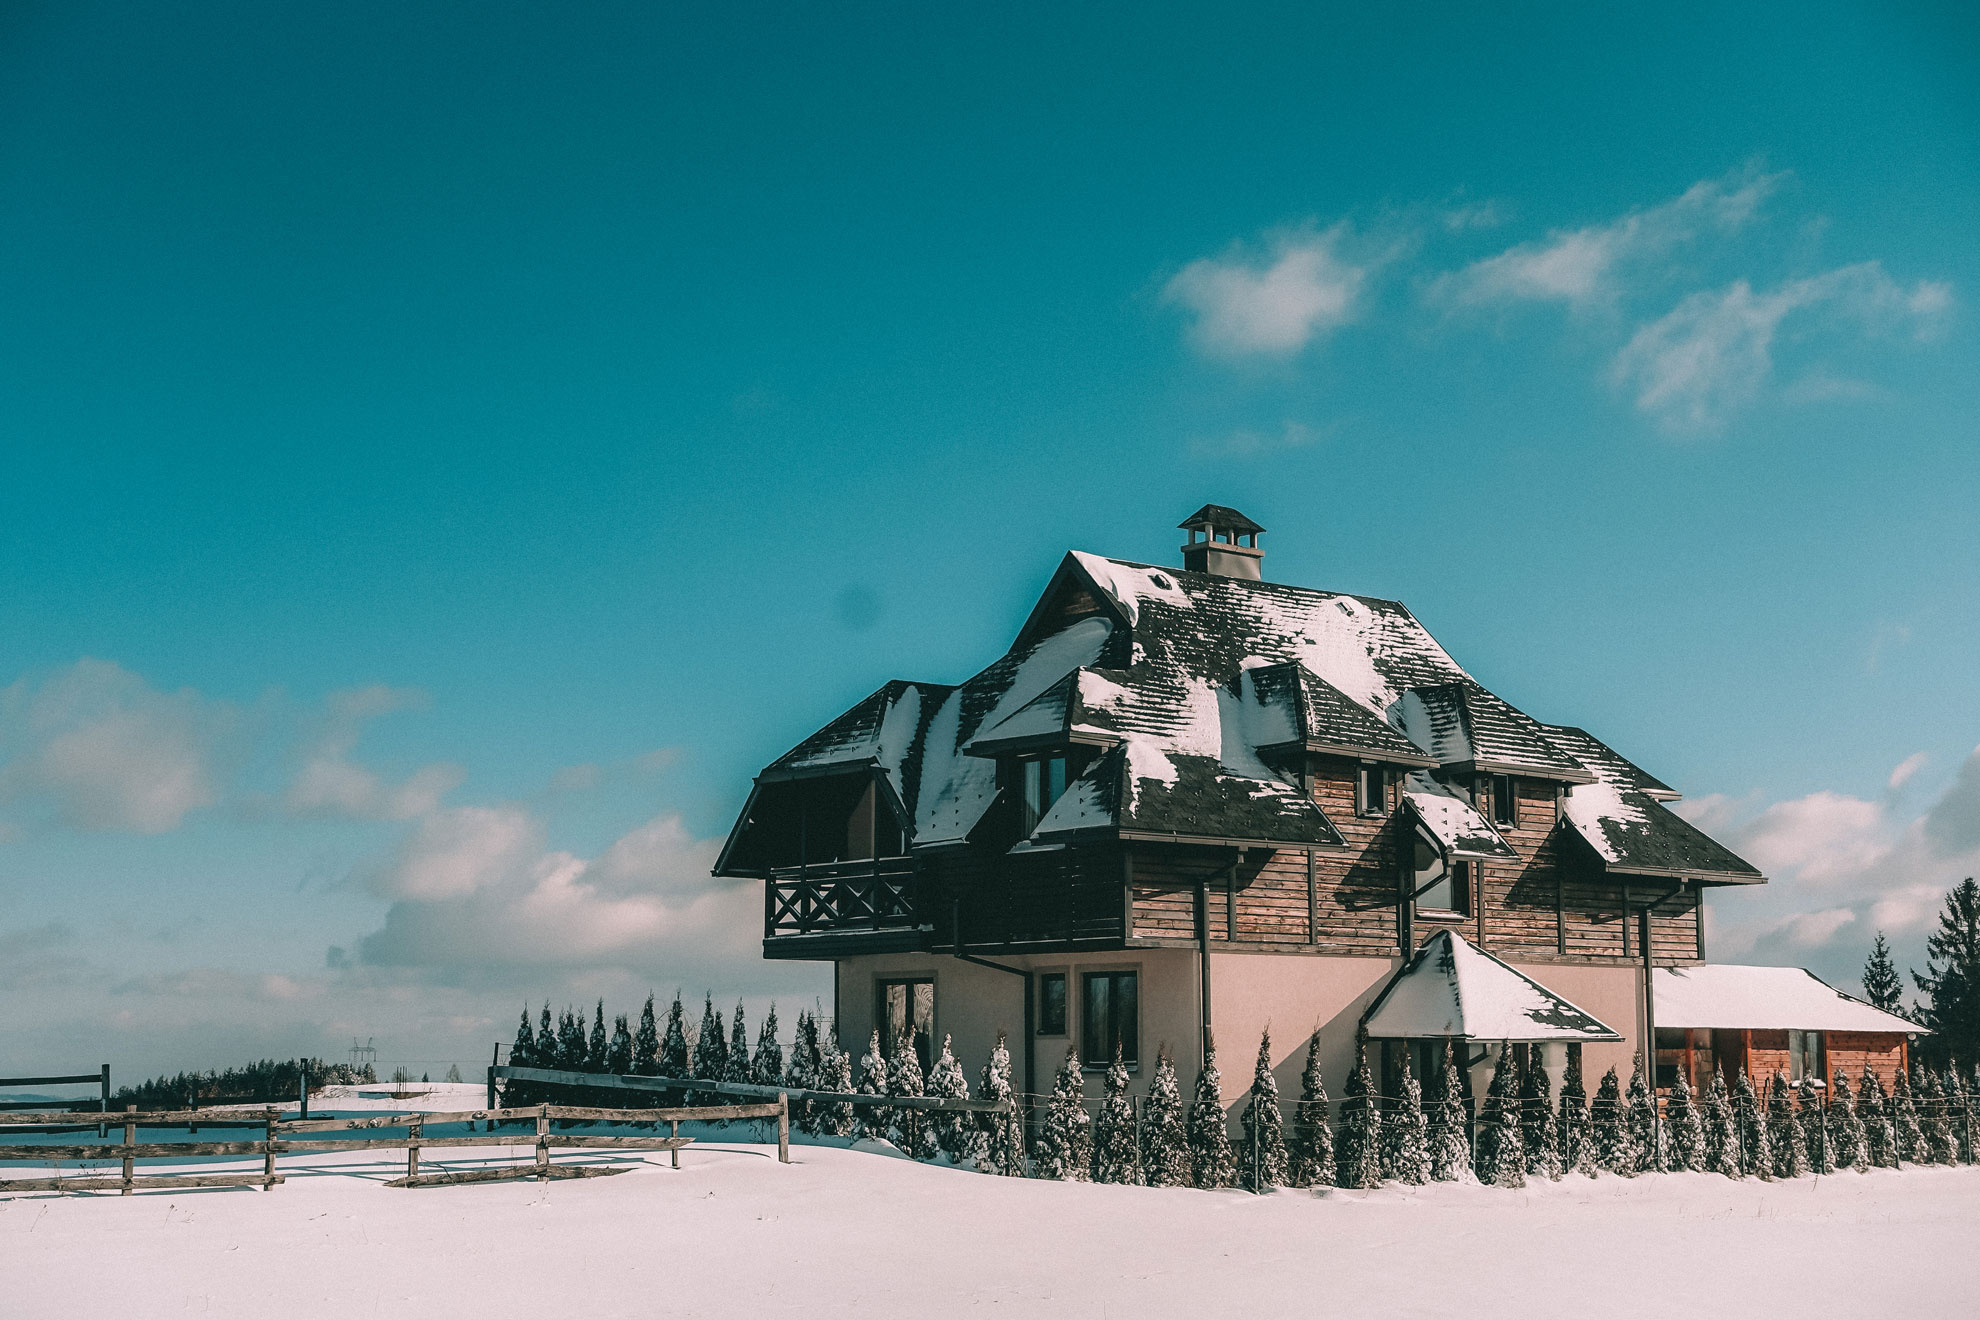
<point x="1631" y="830"/>
<point x="1467" y="728"/>
<point x="1299" y="711"/>
<point x="1453" y="822"/>
<point x="1452" y="988"/>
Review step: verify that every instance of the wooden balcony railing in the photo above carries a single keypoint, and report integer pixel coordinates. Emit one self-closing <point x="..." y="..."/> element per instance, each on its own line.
<point x="872" y="894"/>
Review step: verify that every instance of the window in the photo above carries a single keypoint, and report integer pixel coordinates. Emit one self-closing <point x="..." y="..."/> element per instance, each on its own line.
<point x="1804" y="1055"/>
<point x="908" y="1005"/>
<point x="1371" y="791"/>
<point x="1113" y="1015"/>
<point x="1041" y="781"/>
<point x="1441" y="889"/>
<point x="1505" y="800"/>
<point x="1052" y="1004"/>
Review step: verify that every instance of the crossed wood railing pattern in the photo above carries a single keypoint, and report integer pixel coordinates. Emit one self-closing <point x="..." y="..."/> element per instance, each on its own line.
<point x="839" y="896"/>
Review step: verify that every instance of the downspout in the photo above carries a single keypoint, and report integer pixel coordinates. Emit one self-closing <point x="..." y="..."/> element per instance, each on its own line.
<point x="1030" y="1036"/>
<point x="1203" y="958"/>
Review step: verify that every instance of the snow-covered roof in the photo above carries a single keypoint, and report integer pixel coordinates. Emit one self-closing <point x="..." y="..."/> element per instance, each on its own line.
<point x="1730" y="997"/>
<point x="1631" y="830"/>
<point x="1451" y="988"/>
<point x="1453" y="821"/>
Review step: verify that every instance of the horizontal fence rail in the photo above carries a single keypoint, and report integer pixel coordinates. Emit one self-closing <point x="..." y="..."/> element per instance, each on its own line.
<point x="626" y="1082"/>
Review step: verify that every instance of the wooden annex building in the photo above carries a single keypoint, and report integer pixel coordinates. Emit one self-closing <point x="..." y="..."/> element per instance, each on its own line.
<point x="1190" y="803"/>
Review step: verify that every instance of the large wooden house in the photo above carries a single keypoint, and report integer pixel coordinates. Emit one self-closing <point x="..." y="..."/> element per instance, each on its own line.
<point x="1187" y="804"/>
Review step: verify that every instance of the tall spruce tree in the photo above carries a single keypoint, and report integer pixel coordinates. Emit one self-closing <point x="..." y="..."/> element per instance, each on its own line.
<point x="1064" y="1149"/>
<point x="767" y="1068"/>
<point x="1448" y="1126"/>
<point x="1882" y="985"/>
<point x="646" y="1042"/>
<point x="834" y="1065"/>
<point x="573" y="1041"/>
<point x="1688" y="1151"/>
<point x="1501" y="1157"/>
<point x="1615" y="1145"/>
<point x="1577" y="1141"/>
<point x="1212" y="1163"/>
<point x="1310" y="1144"/>
<point x="1406" y="1133"/>
<point x="912" y="1131"/>
<point x="547" y="1055"/>
<point x="1756" y="1147"/>
<point x="1873" y="1107"/>
<point x="1263" y="1165"/>
<point x="711" y="1046"/>
<point x="1904" y="1121"/>
<point x="1814" y="1120"/>
<point x="1539" y="1136"/>
<point x="1116" y="1149"/>
<point x="597" y="1045"/>
<point x="801" y="1072"/>
<point x="1642" y="1119"/>
<point x="1845" y="1128"/>
<point x="955" y="1134"/>
<point x="873" y="1120"/>
<point x="1721" y="1128"/>
<point x="618" y="1055"/>
<point x="676" y="1054"/>
<point x="1002" y="1148"/>
<point x="1358" y="1144"/>
<point x="737" y="1068"/>
<point x="1166" y="1162"/>
<point x="1951" y="980"/>
<point x="1783" y="1131"/>
<point x="522" y="1054"/>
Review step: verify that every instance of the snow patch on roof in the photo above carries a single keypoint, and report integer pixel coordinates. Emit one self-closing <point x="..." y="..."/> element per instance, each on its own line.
<point x="1456" y="824"/>
<point x="1729" y="997"/>
<point x="1451" y="988"/>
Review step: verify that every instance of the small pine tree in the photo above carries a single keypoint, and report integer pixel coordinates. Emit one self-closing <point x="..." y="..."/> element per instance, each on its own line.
<point x="522" y="1054"/>
<point x="711" y="1048"/>
<point x="598" y="1045"/>
<point x="1501" y="1158"/>
<point x="1212" y="1162"/>
<point x="454" y="1072"/>
<point x="803" y="1071"/>
<point x="912" y="1131"/>
<point x="1264" y="1161"/>
<point x="1002" y="1146"/>
<point x="1643" y="1122"/>
<point x="1615" y="1144"/>
<point x="1310" y="1145"/>
<point x="1940" y="1145"/>
<point x="618" y="1055"/>
<point x="547" y="1055"/>
<point x="767" y="1068"/>
<point x="1577" y="1141"/>
<point x="1450" y="1144"/>
<point x="1357" y="1147"/>
<point x="1784" y="1132"/>
<point x="1116" y="1153"/>
<point x="1873" y="1107"/>
<point x="1845" y="1128"/>
<point x="1882" y="985"/>
<point x="676" y="1055"/>
<point x="1688" y="1148"/>
<point x="834" y="1118"/>
<point x="1959" y="1113"/>
<point x="646" y="1042"/>
<point x="1539" y="1136"/>
<point x="1721" y="1128"/>
<point x="1904" y="1118"/>
<point x="1167" y="1163"/>
<point x="873" y="1120"/>
<point x="1814" y="1119"/>
<point x="1406" y="1134"/>
<point x="1064" y="1149"/>
<point x="955" y="1134"/>
<point x="1756" y="1146"/>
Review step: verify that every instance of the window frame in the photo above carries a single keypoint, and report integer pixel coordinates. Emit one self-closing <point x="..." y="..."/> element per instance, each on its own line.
<point x="1505" y="806"/>
<point x="1030" y="780"/>
<point x="1457" y="874"/>
<point x="1369" y="773"/>
<point x="1130" y="1040"/>
<point x="1043" y="1027"/>
<point x="883" y="1019"/>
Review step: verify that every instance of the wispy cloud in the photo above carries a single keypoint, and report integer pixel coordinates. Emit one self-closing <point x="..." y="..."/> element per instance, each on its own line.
<point x="1713" y="353"/>
<point x="1273" y="302"/>
<point x="1247" y="443"/>
<point x="330" y="783"/>
<point x="1583" y="266"/>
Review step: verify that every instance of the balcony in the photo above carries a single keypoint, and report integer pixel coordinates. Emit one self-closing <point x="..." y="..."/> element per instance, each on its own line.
<point x="831" y="897"/>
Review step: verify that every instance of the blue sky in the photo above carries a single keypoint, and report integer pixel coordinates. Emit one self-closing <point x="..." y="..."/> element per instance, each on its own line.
<point x="449" y="451"/>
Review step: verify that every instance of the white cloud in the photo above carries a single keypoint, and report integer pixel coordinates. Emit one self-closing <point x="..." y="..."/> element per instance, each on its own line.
<point x="1582" y="266"/>
<point x="104" y="750"/>
<point x="1713" y="353"/>
<point x="1906" y="768"/>
<point x="1274" y="303"/>
<point x="330" y="783"/>
<point x="454" y="852"/>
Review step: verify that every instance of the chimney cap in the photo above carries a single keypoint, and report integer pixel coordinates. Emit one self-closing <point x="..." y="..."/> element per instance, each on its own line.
<point x="1222" y="517"/>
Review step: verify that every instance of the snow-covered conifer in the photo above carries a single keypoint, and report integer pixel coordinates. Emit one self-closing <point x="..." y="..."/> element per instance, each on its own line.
<point x="955" y="1134"/>
<point x="1783" y="1132"/>
<point x="872" y="1120"/>
<point x="1904" y="1121"/>
<point x="1002" y="1148"/>
<point x="1615" y="1144"/>
<point x="1686" y="1126"/>
<point x="1959" y="1113"/>
<point x="1642" y="1120"/>
<point x="1721" y="1128"/>
<point x="618" y="1054"/>
<point x="912" y="1131"/>
<point x="1448" y="1135"/>
<point x="1873" y="1107"/>
<point x="1406" y="1133"/>
<point x="1756" y="1146"/>
<point x="1310" y="1145"/>
<point x="737" y="1069"/>
<point x="1167" y="1161"/>
<point x="711" y="1047"/>
<point x="646" y="1042"/>
<point x="1262" y="1163"/>
<point x="1808" y="1111"/>
<point x="676" y="1055"/>
<point x="1940" y="1145"/>
<point x="1212" y="1163"/>
<point x="834" y="1065"/>
<point x="1845" y="1128"/>
<point x="1358" y="1144"/>
<point x="767" y="1068"/>
<point x="1064" y="1149"/>
<point x="1538" y="1135"/>
<point x="1577" y="1142"/>
<point x="1501" y="1157"/>
<point x="802" y="1072"/>
<point x="1116" y="1152"/>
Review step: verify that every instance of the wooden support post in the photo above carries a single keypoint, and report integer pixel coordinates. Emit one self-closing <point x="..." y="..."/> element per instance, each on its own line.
<point x="130" y="1140"/>
<point x="491" y="1083"/>
<point x="302" y="1090"/>
<point x="103" y="1105"/>
<point x="543" y="1141"/>
<point x="412" y="1149"/>
<point x="675" y="1153"/>
<point x="268" y="1151"/>
<point x="783" y="1129"/>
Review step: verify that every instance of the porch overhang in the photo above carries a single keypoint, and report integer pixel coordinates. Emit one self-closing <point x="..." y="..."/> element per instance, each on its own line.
<point x="1451" y="988"/>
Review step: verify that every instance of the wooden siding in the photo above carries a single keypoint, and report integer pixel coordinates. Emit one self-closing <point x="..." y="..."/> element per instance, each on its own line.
<point x="1885" y="1052"/>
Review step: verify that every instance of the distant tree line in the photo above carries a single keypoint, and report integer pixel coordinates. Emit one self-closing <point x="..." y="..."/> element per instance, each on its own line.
<point x="274" y="1080"/>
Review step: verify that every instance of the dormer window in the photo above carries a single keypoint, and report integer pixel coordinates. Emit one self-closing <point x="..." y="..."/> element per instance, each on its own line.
<point x="1371" y="791"/>
<point x="1505" y="800"/>
<point x="1041" y="782"/>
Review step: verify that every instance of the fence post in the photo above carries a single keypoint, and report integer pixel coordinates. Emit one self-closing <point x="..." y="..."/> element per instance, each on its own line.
<point x="783" y="1128"/>
<point x="268" y="1151"/>
<point x="675" y="1153"/>
<point x="543" y="1141"/>
<point x="302" y="1090"/>
<point x="412" y="1148"/>
<point x="491" y="1094"/>
<point x="130" y="1140"/>
<point x="103" y="1105"/>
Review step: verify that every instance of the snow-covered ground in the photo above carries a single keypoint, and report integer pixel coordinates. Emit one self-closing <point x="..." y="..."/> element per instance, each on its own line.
<point x="862" y="1233"/>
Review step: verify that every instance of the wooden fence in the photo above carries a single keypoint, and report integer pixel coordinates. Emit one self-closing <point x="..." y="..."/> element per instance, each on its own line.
<point x="274" y="1130"/>
<point x="626" y="1082"/>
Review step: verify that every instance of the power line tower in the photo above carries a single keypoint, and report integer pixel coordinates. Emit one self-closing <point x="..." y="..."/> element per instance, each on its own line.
<point x="363" y="1056"/>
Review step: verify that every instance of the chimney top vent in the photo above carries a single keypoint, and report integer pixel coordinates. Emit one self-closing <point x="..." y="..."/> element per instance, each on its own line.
<point x="1222" y="540"/>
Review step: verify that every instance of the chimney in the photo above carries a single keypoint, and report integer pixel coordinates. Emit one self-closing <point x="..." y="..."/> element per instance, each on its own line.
<point x="1222" y="541"/>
